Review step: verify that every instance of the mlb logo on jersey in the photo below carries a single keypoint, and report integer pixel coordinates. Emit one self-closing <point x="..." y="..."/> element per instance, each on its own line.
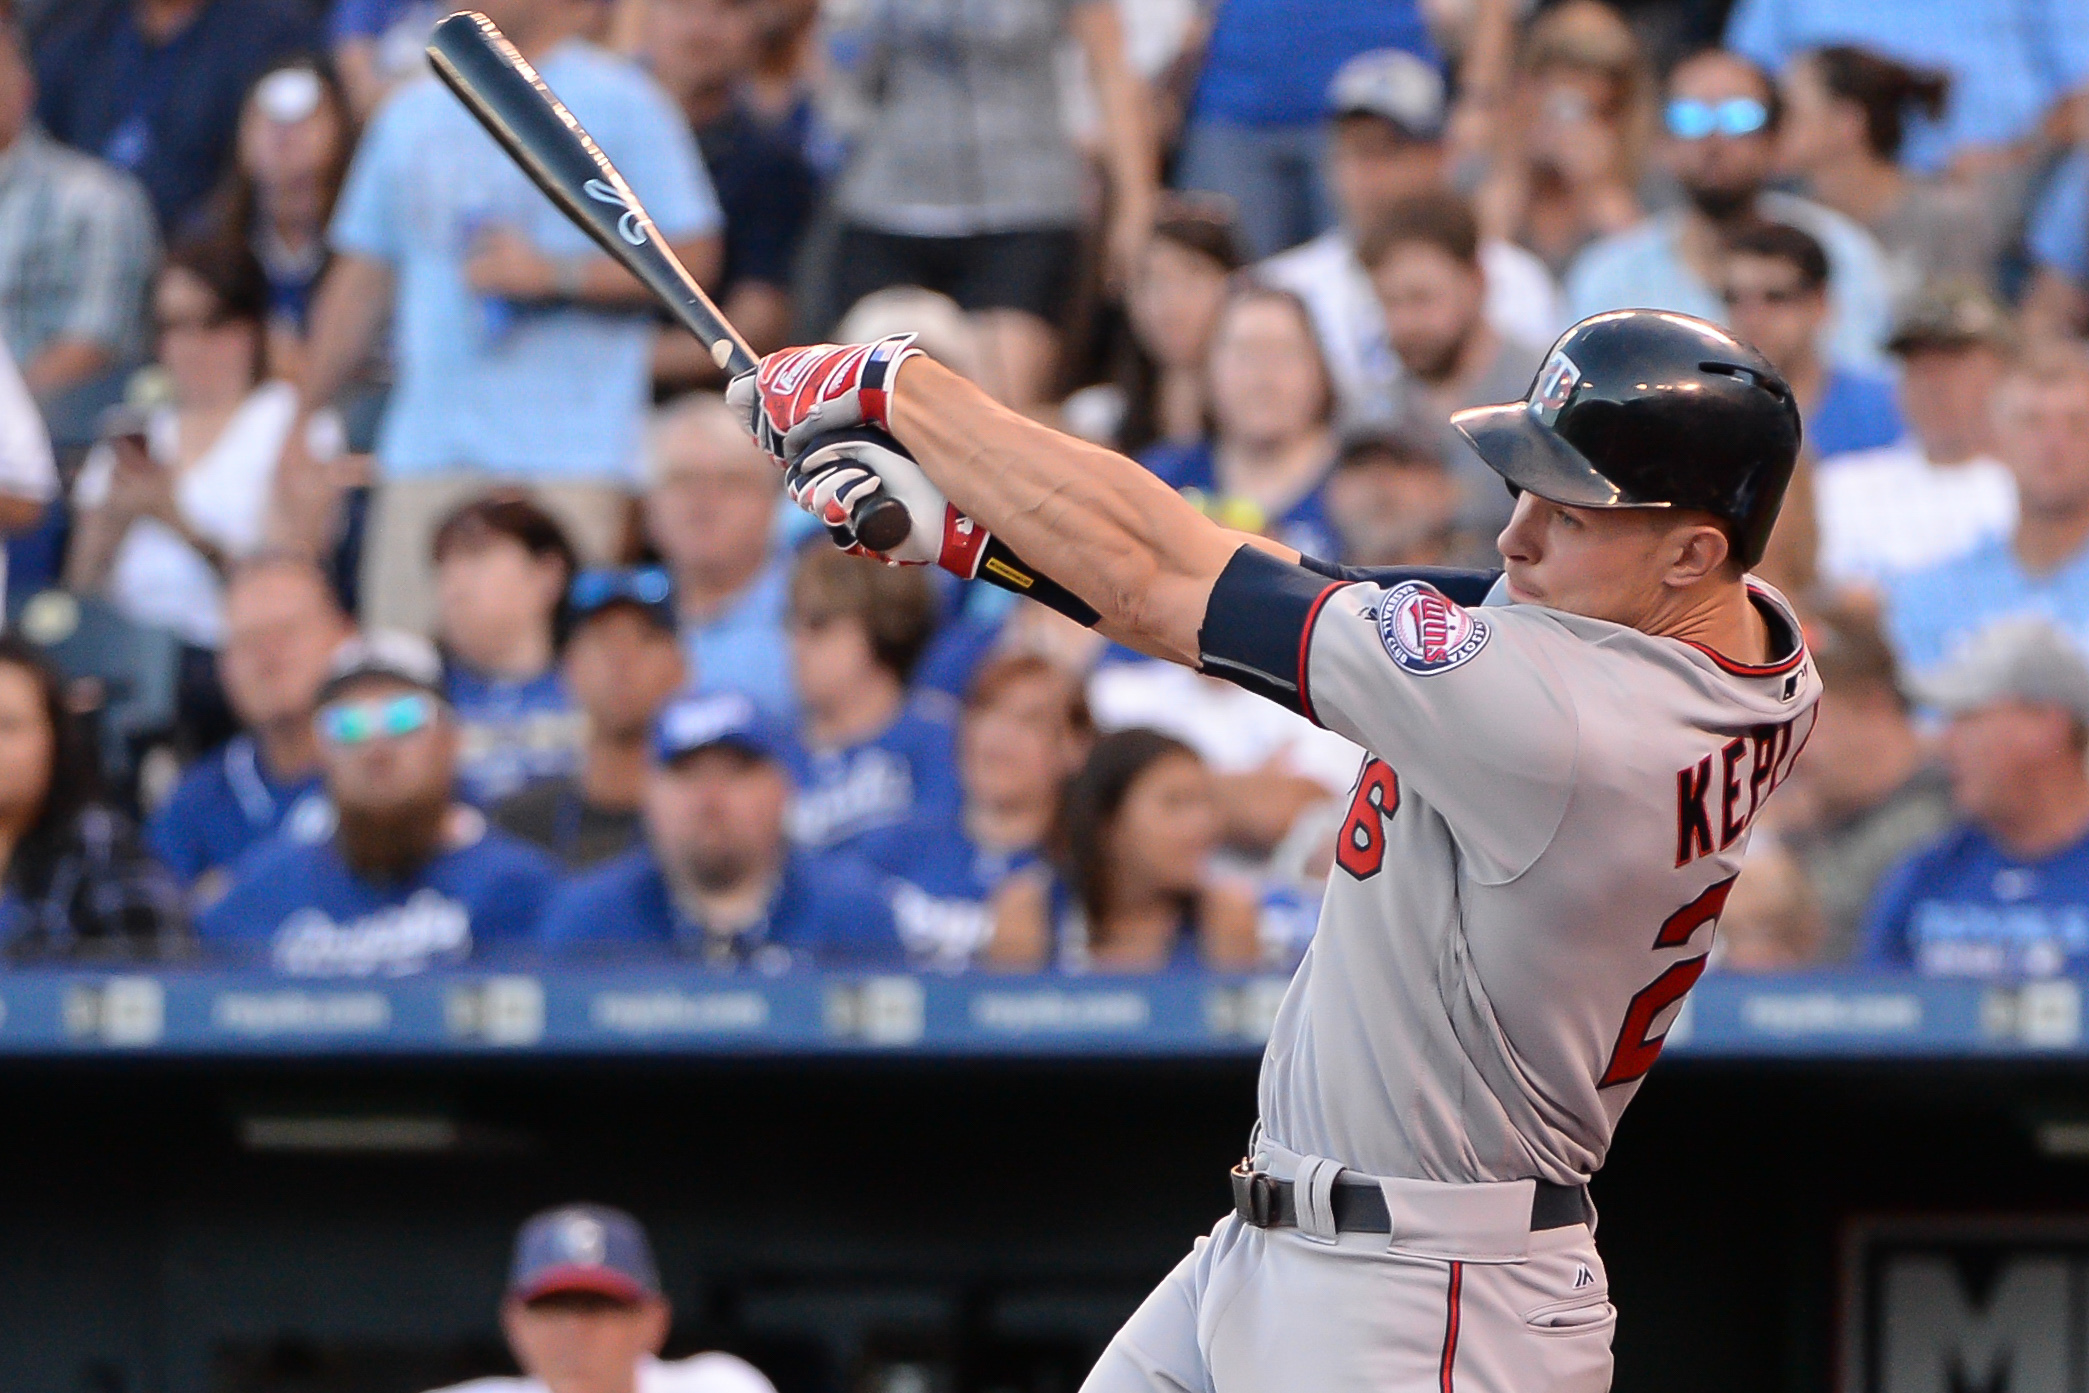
<point x="1423" y="632"/>
<point x="1555" y="384"/>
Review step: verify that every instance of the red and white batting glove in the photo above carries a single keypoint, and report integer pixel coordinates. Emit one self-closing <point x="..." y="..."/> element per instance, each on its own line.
<point x="832" y="480"/>
<point x="800" y="393"/>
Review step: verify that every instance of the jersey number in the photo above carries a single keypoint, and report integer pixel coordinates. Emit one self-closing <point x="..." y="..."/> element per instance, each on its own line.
<point x="1636" y="1050"/>
<point x="1361" y="850"/>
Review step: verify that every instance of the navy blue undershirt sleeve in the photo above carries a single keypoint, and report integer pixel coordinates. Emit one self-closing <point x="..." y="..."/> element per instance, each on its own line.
<point x="1256" y="622"/>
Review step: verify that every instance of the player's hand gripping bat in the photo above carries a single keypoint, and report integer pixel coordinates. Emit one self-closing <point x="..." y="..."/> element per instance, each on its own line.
<point x="498" y="86"/>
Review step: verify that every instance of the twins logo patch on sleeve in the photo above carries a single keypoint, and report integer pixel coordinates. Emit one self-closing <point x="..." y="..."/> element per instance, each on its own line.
<point x="1425" y="633"/>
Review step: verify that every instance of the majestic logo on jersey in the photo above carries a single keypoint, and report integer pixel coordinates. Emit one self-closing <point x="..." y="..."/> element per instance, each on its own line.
<point x="1424" y="632"/>
<point x="1555" y="385"/>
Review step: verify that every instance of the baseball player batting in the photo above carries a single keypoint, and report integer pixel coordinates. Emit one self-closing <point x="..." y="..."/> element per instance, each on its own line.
<point x="1565" y="758"/>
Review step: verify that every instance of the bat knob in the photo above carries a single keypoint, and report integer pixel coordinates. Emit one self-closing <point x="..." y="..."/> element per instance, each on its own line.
<point x="881" y="522"/>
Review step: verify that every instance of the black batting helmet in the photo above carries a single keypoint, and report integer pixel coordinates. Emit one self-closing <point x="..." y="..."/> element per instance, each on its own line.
<point x="1650" y="409"/>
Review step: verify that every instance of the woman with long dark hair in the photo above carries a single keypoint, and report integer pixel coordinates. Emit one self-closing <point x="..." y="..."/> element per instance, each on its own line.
<point x="295" y="136"/>
<point x="1127" y="888"/>
<point x="1172" y="303"/>
<point x="1846" y="113"/>
<point x="76" y="884"/>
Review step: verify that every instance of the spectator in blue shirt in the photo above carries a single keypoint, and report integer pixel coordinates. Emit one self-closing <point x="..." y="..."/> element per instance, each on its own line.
<point x="2008" y="62"/>
<point x="711" y="513"/>
<point x="502" y="565"/>
<point x="702" y="52"/>
<point x="521" y="350"/>
<point x="1254" y="129"/>
<point x="155" y="86"/>
<point x="282" y="626"/>
<point x="1722" y="118"/>
<point x="2006" y="892"/>
<point x="718" y="880"/>
<point x="408" y="879"/>
<point x="623" y="663"/>
<point x="1775" y="288"/>
<point x="1271" y="446"/>
<point x="870" y="753"/>
<point x="1024" y="730"/>
<point x="378" y="45"/>
<point x="2042" y="568"/>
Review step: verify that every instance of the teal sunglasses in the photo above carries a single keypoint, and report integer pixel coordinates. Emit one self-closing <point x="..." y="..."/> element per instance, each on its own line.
<point x="357" y="722"/>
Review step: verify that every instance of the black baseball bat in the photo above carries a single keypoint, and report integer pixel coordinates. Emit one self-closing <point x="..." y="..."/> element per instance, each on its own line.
<point x="499" y="87"/>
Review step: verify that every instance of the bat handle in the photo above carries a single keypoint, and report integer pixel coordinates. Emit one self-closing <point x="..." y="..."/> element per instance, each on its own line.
<point x="880" y="522"/>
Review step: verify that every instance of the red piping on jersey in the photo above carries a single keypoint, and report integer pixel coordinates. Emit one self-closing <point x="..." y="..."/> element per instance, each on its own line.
<point x="1305" y="644"/>
<point x="1450" y="1329"/>
<point x="1778" y="668"/>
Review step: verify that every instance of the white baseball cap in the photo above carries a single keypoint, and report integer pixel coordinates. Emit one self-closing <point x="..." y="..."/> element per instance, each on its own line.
<point x="1394" y="85"/>
<point x="2022" y="658"/>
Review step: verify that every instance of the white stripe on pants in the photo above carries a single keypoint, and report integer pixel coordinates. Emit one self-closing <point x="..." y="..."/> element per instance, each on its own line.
<point x="1274" y="1311"/>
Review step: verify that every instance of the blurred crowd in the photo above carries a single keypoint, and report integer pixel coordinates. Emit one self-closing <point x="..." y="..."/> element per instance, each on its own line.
<point x="388" y="586"/>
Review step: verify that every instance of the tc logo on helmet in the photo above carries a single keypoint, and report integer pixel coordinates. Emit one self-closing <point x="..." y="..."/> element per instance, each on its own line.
<point x="1555" y="385"/>
<point x="1423" y="632"/>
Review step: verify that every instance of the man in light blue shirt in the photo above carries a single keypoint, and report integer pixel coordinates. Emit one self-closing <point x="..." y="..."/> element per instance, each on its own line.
<point x="2042" y="425"/>
<point x="2009" y="60"/>
<point x="711" y="506"/>
<point x="522" y="351"/>
<point x="1721" y="146"/>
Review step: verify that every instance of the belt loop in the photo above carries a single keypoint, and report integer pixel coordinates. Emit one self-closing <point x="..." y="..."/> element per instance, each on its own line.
<point x="1313" y="1195"/>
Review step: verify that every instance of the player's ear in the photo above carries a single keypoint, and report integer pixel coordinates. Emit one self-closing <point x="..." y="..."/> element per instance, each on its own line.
<point x="1700" y="549"/>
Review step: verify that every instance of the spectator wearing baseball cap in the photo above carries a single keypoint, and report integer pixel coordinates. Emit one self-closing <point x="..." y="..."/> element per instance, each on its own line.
<point x="623" y="662"/>
<point x="717" y="879"/>
<point x="2006" y="892"/>
<point x="407" y="878"/>
<point x="584" y="1313"/>
<point x="1394" y="502"/>
<point x="1938" y="492"/>
<point x="1385" y="139"/>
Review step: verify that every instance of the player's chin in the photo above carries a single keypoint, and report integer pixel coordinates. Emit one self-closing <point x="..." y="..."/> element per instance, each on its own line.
<point x="1520" y="591"/>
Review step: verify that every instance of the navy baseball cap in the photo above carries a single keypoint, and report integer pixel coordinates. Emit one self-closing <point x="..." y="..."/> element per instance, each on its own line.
<point x="646" y="587"/>
<point x="725" y="718"/>
<point x="583" y="1247"/>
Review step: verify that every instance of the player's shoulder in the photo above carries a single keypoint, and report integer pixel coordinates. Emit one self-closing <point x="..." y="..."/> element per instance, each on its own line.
<point x="712" y="1372"/>
<point x="493" y="1385"/>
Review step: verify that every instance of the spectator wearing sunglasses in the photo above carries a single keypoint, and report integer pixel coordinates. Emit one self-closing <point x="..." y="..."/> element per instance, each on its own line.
<point x="408" y="878"/>
<point x="623" y="662"/>
<point x="1775" y="289"/>
<point x="1721" y="117"/>
<point x="717" y="879"/>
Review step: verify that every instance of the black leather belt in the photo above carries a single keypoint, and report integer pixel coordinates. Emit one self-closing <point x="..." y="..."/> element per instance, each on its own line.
<point x="1359" y="1205"/>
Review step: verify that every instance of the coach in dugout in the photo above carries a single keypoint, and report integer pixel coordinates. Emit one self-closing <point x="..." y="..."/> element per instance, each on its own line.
<point x="717" y="879"/>
<point x="584" y="1314"/>
<point x="407" y="878"/>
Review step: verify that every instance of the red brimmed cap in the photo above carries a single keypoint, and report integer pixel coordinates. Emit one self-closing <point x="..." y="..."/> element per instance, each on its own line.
<point x="583" y="1247"/>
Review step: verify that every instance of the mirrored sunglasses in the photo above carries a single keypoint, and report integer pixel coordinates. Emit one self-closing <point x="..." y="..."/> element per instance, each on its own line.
<point x="1736" y="116"/>
<point x="357" y="722"/>
<point x="593" y="589"/>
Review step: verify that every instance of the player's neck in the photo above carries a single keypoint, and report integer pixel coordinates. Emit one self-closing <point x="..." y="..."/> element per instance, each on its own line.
<point x="1714" y="614"/>
<point x="2048" y="811"/>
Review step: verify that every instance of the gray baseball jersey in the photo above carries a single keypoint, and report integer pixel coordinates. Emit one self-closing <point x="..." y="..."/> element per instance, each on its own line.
<point x="1537" y="850"/>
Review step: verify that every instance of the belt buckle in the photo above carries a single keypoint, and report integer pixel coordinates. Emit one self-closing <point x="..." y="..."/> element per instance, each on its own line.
<point x="1255" y="1196"/>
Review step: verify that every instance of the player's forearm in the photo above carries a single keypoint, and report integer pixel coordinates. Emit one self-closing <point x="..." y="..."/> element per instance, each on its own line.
<point x="1091" y="519"/>
<point x="603" y="283"/>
